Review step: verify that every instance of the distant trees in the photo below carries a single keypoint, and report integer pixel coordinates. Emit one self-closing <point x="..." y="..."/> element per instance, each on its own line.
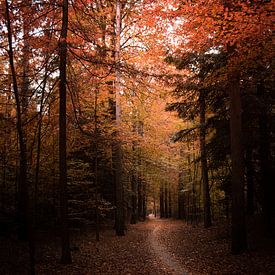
<point x="193" y="93"/>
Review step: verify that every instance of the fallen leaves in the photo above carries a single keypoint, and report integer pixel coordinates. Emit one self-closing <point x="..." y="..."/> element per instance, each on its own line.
<point x="155" y="247"/>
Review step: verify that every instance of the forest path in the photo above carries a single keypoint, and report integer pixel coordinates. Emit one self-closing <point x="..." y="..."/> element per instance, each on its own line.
<point x="143" y="250"/>
<point x="160" y="231"/>
<point x="153" y="247"/>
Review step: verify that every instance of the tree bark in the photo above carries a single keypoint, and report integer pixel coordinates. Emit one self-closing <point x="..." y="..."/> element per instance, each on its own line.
<point x="169" y="202"/>
<point x="181" y="208"/>
<point x="165" y="201"/>
<point x="144" y="208"/>
<point x="249" y="181"/>
<point x="134" y="199"/>
<point x="239" y="243"/>
<point x="265" y="160"/>
<point x="204" y="168"/>
<point x="120" y="223"/>
<point x="140" y="198"/>
<point x="161" y="201"/>
<point x="65" y="242"/>
<point x="96" y="166"/>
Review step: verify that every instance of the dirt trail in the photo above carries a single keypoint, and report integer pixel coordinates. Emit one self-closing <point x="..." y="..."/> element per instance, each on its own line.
<point x="161" y="251"/>
<point x="154" y="247"/>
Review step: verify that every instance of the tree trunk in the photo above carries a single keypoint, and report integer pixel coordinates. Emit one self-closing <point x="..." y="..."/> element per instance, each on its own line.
<point x="181" y="208"/>
<point x="134" y="199"/>
<point x="140" y="199"/>
<point x="144" y="208"/>
<point x="3" y="185"/>
<point x="265" y="160"/>
<point x="155" y="208"/>
<point x="120" y="223"/>
<point x="239" y="243"/>
<point x="204" y="168"/>
<point x="66" y="253"/>
<point x="96" y="167"/>
<point x="249" y="181"/>
<point x="166" y="201"/>
<point x="161" y="201"/>
<point x="169" y="202"/>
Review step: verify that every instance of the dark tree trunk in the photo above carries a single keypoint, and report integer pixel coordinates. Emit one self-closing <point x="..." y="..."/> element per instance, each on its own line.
<point x="181" y="207"/>
<point x="140" y="199"/>
<point x="161" y="201"/>
<point x="166" y="201"/>
<point x="239" y="243"/>
<point x="134" y="199"/>
<point x="3" y="185"/>
<point x="155" y="208"/>
<point x="249" y="181"/>
<point x="169" y="203"/>
<point x="97" y="220"/>
<point x="66" y="253"/>
<point x="120" y="215"/>
<point x="204" y="168"/>
<point x="144" y="208"/>
<point x="265" y="160"/>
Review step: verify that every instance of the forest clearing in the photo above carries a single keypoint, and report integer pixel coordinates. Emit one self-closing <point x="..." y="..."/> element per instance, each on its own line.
<point x="137" y="137"/>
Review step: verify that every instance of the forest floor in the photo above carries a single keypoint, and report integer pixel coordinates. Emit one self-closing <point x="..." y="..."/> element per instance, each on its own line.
<point x="153" y="247"/>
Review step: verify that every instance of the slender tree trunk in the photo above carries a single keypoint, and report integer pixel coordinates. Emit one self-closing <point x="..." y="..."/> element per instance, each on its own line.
<point x="204" y="168"/>
<point x="25" y="97"/>
<point x="239" y="243"/>
<point x="265" y="161"/>
<point x="181" y="210"/>
<point x="3" y="187"/>
<point x="134" y="184"/>
<point x="161" y="201"/>
<point x="134" y="199"/>
<point x="7" y="138"/>
<point x="249" y="181"/>
<point x="144" y="208"/>
<point x="120" y="223"/>
<point x="193" y="217"/>
<point x="66" y="253"/>
<point x="134" y="214"/>
<point x="169" y="202"/>
<point x="140" y="199"/>
<point x="96" y="165"/>
<point x="166" y="201"/>
<point x="155" y="208"/>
